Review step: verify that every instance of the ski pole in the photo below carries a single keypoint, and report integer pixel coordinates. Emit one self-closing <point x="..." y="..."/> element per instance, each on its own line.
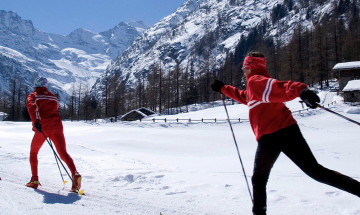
<point x="237" y="148"/>
<point x="57" y="158"/>
<point x="57" y="162"/>
<point x="342" y="116"/>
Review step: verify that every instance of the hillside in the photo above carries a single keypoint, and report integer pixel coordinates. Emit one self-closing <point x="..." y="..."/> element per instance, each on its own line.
<point x="202" y="32"/>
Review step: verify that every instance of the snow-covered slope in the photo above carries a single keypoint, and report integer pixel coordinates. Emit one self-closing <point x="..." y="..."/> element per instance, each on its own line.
<point x="81" y="56"/>
<point x="211" y="28"/>
<point x="178" y="168"/>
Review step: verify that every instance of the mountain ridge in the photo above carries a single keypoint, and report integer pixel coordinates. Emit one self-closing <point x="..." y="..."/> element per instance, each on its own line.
<point x="205" y="31"/>
<point x="80" y="57"/>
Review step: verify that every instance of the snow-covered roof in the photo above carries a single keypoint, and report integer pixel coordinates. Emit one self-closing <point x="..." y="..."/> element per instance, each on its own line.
<point x="352" y="85"/>
<point x="347" y="65"/>
<point x="137" y="114"/>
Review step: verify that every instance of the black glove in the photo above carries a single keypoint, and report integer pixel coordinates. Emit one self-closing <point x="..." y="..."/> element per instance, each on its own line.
<point x="38" y="126"/>
<point x="217" y="85"/>
<point x="310" y="98"/>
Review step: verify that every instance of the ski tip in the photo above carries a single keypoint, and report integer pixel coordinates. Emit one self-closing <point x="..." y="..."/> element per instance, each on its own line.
<point x="81" y="192"/>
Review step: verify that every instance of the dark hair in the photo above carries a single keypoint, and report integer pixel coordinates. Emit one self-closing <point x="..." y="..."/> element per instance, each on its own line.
<point x="255" y="54"/>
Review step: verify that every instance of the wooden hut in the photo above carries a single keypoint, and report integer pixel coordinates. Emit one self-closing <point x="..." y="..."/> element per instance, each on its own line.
<point x="352" y="91"/>
<point x="137" y="114"/>
<point x="346" y="72"/>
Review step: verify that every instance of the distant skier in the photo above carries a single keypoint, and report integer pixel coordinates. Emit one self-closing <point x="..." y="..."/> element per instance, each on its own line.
<point x="276" y="130"/>
<point x="43" y="109"/>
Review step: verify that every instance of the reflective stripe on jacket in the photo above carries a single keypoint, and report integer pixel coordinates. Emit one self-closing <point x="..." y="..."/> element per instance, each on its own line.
<point x="265" y="98"/>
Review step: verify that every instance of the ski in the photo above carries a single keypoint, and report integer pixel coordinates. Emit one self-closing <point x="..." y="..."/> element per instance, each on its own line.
<point x="79" y="192"/>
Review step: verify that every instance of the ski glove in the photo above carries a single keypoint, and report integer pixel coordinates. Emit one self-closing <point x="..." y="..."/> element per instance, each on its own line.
<point x="310" y="98"/>
<point x="38" y="126"/>
<point x="217" y="85"/>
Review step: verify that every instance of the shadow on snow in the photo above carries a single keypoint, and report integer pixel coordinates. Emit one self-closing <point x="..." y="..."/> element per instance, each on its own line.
<point x="53" y="198"/>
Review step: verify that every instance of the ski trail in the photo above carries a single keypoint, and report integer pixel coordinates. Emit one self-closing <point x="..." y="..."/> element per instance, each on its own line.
<point x="47" y="200"/>
<point x="13" y="205"/>
<point x="19" y="195"/>
<point x="40" y="206"/>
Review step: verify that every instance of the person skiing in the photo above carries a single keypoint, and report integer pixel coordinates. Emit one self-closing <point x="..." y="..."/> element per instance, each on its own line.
<point x="276" y="130"/>
<point x="43" y="109"/>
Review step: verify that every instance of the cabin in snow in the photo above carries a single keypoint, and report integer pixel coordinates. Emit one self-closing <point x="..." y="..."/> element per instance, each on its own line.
<point x="137" y="114"/>
<point x="352" y="91"/>
<point x="346" y="72"/>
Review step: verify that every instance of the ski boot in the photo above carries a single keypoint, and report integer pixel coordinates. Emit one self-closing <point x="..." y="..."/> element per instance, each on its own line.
<point x="34" y="182"/>
<point x="76" y="179"/>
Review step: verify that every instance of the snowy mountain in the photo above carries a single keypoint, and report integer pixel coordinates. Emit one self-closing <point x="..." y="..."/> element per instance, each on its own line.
<point x="204" y="31"/>
<point x="81" y="56"/>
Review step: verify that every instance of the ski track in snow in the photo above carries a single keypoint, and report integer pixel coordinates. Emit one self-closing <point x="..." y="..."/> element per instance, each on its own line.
<point x="176" y="168"/>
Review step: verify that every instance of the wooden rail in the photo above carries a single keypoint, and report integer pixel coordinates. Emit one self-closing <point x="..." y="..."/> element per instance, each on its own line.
<point x="298" y="112"/>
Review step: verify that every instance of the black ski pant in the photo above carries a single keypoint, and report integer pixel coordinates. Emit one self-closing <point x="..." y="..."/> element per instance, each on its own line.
<point x="290" y="141"/>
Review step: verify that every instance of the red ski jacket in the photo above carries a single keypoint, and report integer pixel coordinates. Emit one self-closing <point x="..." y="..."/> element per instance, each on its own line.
<point x="265" y="96"/>
<point x="42" y="105"/>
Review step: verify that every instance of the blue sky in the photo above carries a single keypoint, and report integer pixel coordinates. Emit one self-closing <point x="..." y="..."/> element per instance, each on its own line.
<point x="64" y="16"/>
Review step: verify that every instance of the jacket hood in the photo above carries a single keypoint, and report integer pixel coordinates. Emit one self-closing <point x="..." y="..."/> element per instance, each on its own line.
<point x="257" y="65"/>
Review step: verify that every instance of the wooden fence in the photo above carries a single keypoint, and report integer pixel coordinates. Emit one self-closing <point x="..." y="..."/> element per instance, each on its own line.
<point x="189" y="120"/>
<point x="298" y="112"/>
<point x="192" y="120"/>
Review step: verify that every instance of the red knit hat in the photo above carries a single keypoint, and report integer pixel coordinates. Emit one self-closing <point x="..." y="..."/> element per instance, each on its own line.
<point x="257" y="65"/>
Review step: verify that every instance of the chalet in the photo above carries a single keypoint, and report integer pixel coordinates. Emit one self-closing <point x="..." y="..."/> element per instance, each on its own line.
<point x="346" y="72"/>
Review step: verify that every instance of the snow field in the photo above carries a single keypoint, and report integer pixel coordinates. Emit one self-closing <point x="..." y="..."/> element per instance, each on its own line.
<point x="177" y="168"/>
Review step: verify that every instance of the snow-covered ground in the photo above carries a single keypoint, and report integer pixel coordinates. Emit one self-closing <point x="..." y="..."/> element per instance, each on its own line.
<point x="178" y="168"/>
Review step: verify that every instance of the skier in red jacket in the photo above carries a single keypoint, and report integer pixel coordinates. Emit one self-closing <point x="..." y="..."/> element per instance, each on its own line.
<point x="43" y="109"/>
<point x="276" y="130"/>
